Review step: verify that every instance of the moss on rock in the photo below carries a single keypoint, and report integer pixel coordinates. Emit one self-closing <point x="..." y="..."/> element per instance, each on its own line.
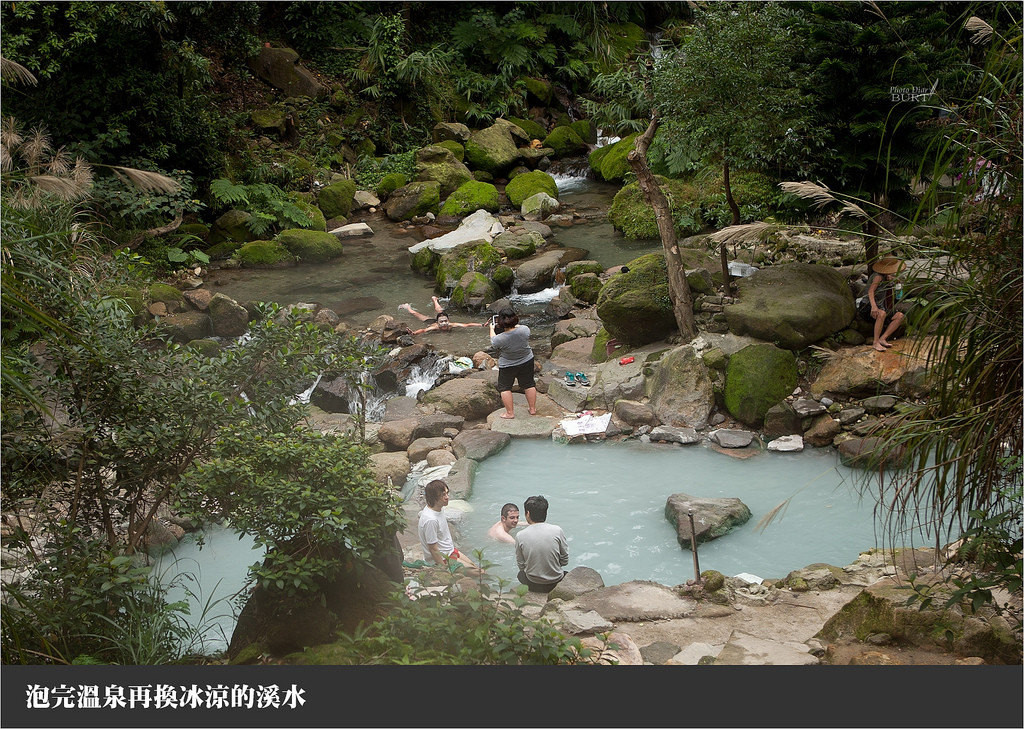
<point x="470" y="197"/>
<point x="335" y="200"/>
<point x="565" y="141"/>
<point x="756" y="378"/>
<point x="389" y="183"/>
<point x="310" y="245"/>
<point x="259" y="253"/>
<point x="529" y="184"/>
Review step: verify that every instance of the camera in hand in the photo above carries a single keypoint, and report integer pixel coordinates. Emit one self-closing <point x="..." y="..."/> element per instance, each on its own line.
<point x="498" y="328"/>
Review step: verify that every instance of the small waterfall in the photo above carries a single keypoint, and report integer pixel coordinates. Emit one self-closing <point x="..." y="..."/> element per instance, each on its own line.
<point x="375" y="401"/>
<point x="303" y="397"/>
<point x="603" y="140"/>
<point x="422" y="379"/>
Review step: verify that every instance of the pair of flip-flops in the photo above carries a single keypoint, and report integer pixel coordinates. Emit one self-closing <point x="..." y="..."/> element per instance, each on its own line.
<point x="576" y="378"/>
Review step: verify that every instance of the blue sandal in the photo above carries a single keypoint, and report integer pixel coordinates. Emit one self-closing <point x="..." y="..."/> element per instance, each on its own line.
<point x="569" y="379"/>
<point x="582" y="379"/>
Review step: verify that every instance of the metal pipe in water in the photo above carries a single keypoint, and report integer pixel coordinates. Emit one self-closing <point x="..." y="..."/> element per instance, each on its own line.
<point x="693" y="546"/>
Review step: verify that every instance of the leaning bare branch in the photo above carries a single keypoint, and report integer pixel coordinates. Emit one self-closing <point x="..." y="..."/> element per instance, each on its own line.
<point x="145" y="180"/>
<point x="747" y="233"/>
<point x="13" y="71"/>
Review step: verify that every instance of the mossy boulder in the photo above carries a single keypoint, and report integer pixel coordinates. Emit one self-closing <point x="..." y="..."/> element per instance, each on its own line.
<point x="586" y="287"/>
<point x="756" y="378"/>
<point x="260" y="253"/>
<point x="206" y="347"/>
<point x="224" y="250"/>
<point x="317" y="221"/>
<point x="454" y="147"/>
<point x="414" y="199"/>
<point x="474" y="291"/>
<point x="335" y="200"/>
<point x="482" y="257"/>
<point x="504" y="276"/>
<point x="529" y="184"/>
<point x="232" y="225"/>
<point x="518" y="244"/>
<point x="565" y="141"/>
<point x="199" y="230"/>
<point x="470" y="197"/>
<point x="576" y="268"/>
<point x="635" y="306"/>
<point x="492" y="150"/>
<point x="533" y="129"/>
<point x="166" y="294"/>
<point x="538" y="90"/>
<point x="585" y="129"/>
<point x="389" y="183"/>
<point x="613" y="165"/>
<point x="440" y="164"/>
<point x="600" y="351"/>
<point x="425" y="261"/>
<point x="631" y="215"/>
<point x="269" y="120"/>
<point x="310" y="246"/>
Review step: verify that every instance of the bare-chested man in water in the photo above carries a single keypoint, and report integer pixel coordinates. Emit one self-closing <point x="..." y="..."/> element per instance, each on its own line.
<point x="509" y="520"/>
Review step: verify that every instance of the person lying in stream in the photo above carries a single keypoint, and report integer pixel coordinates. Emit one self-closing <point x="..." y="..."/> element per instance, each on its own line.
<point x="442" y="322"/>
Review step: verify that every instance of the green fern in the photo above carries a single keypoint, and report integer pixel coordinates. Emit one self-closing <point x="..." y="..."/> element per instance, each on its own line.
<point x="228" y="193"/>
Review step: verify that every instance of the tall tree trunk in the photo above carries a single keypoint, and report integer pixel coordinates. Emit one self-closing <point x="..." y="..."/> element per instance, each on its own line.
<point x="735" y="209"/>
<point x="678" y="289"/>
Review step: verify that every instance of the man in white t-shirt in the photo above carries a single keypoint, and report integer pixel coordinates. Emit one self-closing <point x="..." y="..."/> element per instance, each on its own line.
<point x="435" y="536"/>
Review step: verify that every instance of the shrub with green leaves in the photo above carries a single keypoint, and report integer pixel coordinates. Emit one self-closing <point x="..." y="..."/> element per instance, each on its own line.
<point x="268" y="205"/>
<point x="481" y="626"/>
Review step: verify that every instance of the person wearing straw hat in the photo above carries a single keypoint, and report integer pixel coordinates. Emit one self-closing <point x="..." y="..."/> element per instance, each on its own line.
<point x="882" y="295"/>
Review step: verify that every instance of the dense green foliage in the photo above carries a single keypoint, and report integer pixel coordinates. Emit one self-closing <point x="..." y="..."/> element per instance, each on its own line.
<point x="481" y="626"/>
<point x="907" y="112"/>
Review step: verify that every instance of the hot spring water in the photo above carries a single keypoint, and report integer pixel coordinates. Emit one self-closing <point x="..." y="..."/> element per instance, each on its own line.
<point x="609" y="498"/>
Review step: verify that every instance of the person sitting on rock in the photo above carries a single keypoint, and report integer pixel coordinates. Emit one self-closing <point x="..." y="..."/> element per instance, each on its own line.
<point x="442" y="322"/>
<point x="883" y="295"/>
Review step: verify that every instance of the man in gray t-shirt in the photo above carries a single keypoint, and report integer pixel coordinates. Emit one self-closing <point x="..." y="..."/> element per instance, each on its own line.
<point x="541" y="548"/>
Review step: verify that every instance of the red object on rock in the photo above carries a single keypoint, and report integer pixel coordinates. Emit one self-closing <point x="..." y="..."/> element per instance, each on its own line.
<point x="625" y="360"/>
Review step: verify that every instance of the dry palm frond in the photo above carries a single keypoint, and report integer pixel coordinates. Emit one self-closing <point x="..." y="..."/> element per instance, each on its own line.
<point x="145" y="180"/>
<point x="747" y="233"/>
<point x="982" y="30"/>
<point x="822" y="352"/>
<point x="818" y="193"/>
<point x="13" y="71"/>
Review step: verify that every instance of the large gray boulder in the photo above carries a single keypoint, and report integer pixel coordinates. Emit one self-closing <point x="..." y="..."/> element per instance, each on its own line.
<point x="450" y="131"/>
<point x="439" y="164"/>
<point x="228" y="318"/>
<point x="416" y="198"/>
<point x="680" y="389"/>
<point x="479" y="444"/>
<point x="390" y="468"/>
<point x="186" y="326"/>
<point x="280" y="68"/>
<point x="794" y="305"/>
<point x="470" y="398"/>
<point x="711" y="517"/>
<point x="538" y="273"/>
